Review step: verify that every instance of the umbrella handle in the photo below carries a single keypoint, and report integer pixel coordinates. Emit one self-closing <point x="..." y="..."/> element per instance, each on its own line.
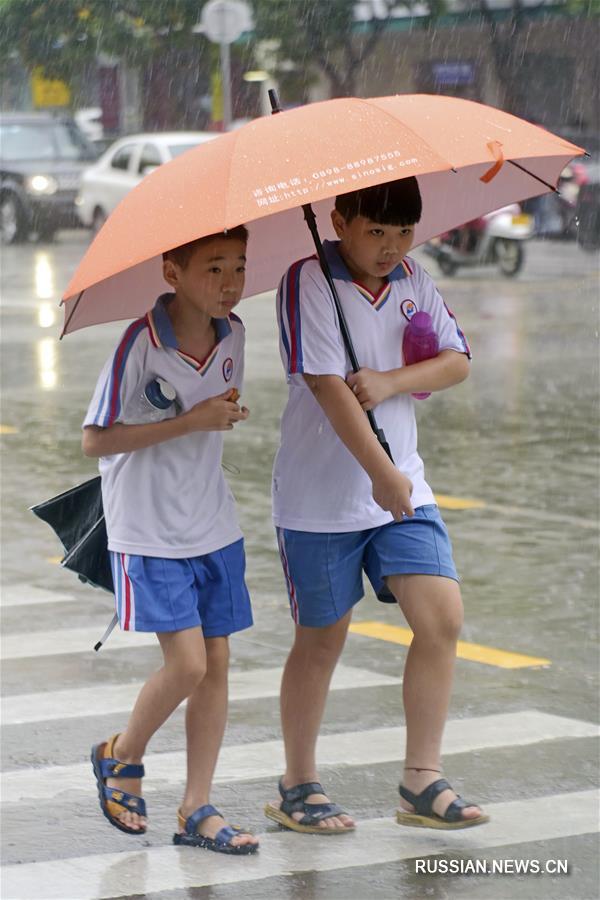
<point x="107" y="633"/>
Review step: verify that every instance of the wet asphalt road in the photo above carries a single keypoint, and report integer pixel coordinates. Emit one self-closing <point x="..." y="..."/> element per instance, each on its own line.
<point x="520" y="437"/>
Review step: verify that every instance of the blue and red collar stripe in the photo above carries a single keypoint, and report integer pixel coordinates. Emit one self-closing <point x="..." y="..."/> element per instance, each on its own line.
<point x="118" y="367"/>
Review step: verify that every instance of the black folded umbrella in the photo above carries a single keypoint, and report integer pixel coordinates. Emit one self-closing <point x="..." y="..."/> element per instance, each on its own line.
<point x="77" y="517"/>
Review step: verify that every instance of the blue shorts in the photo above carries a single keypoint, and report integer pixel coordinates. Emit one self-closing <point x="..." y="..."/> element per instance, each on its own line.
<point x="156" y="594"/>
<point x="323" y="571"/>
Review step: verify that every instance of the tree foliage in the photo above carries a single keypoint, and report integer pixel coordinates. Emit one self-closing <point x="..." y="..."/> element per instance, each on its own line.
<point x="63" y="35"/>
<point x="321" y="35"/>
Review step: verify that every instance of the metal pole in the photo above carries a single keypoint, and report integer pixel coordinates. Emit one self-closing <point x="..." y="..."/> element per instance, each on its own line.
<point x="226" y="85"/>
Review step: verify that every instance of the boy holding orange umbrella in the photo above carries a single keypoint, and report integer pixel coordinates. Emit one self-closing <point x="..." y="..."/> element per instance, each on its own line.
<point x="342" y="506"/>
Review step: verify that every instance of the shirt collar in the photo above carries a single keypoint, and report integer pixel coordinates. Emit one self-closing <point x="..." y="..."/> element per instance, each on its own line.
<point x="339" y="269"/>
<point x="162" y="329"/>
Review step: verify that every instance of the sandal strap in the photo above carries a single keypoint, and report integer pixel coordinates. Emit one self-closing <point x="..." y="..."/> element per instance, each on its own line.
<point x="423" y="802"/>
<point x="453" y="812"/>
<point x="228" y="832"/>
<point x="316" y="812"/>
<point x="294" y="800"/>
<point x="114" y="768"/>
<point x="129" y="802"/>
<point x="203" y="812"/>
<point x="299" y="792"/>
<point x="223" y="836"/>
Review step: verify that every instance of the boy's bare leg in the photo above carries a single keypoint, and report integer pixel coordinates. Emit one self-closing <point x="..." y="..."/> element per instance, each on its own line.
<point x="304" y="689"/>
<point x="205" y="720"/>
<point x="433" y="608"/>
<point x="184" y="666"/>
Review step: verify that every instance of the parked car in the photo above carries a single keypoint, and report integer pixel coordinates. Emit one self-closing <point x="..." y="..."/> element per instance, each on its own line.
<point x="124" y="165"/>
<point x="42" y="158"/>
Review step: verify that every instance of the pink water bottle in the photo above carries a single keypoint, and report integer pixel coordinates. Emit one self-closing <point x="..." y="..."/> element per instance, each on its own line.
<point x="419" y="342"/>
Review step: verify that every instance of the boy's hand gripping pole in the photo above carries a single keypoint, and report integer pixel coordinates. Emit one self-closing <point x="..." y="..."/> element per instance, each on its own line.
<point x="311" y="221"/>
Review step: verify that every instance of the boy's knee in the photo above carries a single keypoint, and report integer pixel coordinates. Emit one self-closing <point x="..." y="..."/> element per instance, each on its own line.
<point x="189" y="673"/>
<point x="442" y="629"/>
<point x="320" y="644"/>
<point x="450" y="625"/>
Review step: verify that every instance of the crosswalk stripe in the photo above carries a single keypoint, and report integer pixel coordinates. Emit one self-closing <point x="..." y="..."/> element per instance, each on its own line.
<point x="489" y="656"/>
<point x="265" y="759"/>
<point x="119" y="698"/>
<point x="82" y="640"/>
<point x="375" y="842"/>
<point x="23" y="595"/>
<point x="72" y="640"/>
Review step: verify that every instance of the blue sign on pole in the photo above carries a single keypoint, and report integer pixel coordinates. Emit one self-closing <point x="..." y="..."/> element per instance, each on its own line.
<point x="453" y="72"/>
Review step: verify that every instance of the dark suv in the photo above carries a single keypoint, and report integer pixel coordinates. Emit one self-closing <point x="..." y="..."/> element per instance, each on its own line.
<point x="42" y="157"/>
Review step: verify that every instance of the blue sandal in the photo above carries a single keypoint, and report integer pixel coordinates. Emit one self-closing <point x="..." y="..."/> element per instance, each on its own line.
<point x="114" y="802"/>
<point x="424" y="816"/>
<point x="221" y="843"/>
<point x="294" y="800"/>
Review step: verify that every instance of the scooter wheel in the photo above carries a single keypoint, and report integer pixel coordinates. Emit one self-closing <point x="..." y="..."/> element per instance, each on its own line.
<point x="509" y="256"/>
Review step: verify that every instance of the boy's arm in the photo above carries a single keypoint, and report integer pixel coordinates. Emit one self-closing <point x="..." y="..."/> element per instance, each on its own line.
<point x="218" y="413"/>
<point x="446" y="369"/>
<point x="391" y="489"/>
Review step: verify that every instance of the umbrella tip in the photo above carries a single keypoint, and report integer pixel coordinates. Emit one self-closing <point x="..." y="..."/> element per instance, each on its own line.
<point x="274" y="99"/>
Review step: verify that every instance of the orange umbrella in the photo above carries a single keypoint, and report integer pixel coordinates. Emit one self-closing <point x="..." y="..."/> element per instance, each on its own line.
<point x="469" y="159"/>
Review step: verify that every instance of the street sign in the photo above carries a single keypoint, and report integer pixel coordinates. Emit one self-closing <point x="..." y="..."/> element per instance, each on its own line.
<point x="48" y="92"/>
<point x="224" y="21"/>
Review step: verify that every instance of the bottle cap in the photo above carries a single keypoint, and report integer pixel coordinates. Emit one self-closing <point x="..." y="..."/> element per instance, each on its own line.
<point x="421" y="323"/>
<point x="160" y="393"/>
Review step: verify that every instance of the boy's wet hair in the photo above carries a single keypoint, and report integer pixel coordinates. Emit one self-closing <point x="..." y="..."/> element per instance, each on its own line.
<point x="393" y="203"/>
<point x="181" y="255"/>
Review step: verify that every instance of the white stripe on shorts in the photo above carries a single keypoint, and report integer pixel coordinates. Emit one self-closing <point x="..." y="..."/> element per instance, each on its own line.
<point x="125" y="595"/>
<point x="288" y="578"/>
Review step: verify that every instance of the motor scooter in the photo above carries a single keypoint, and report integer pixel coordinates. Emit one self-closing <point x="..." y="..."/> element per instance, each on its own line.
<point x="496" y="239"/>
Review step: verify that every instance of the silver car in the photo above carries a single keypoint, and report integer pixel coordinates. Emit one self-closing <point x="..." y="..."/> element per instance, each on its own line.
<point x="123" y="165"/>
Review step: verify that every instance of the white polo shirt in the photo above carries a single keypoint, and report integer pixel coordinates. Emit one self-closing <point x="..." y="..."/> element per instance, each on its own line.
<point x="169" y="500"/>
<point x="317" y="484"/>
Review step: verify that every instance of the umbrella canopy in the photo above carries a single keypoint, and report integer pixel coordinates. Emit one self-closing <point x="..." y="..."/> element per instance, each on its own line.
<point x="469" y="159"/>
<point x="77" y="517"/>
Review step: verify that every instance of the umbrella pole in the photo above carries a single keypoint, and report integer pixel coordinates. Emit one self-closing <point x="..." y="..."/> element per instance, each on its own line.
<point x="311" y="221"/>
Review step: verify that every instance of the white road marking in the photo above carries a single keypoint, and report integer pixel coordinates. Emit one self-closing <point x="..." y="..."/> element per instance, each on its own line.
<point x="72" y="640"/>
<point x="375" y="842"/>
<point x="265" y="759"/>
<point x="24" y="595"/>
<point x="105" y="699"/>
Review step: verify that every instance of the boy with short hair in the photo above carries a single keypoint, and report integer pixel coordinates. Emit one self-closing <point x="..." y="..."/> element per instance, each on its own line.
<point x="176" y="547"/>
<point x="341" y="506"/>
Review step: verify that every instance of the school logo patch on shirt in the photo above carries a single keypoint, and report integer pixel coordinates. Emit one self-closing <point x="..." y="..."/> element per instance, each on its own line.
<point x="408" y="308"/>
<point x="228" y="369"/>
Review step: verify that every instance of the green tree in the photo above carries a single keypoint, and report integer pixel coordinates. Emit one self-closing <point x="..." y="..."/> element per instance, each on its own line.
<point x="323" y="36"/>
<point x="64" y="37"/>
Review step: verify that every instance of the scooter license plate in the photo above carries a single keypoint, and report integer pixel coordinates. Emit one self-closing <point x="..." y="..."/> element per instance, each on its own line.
<point x="521" y="219"/>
